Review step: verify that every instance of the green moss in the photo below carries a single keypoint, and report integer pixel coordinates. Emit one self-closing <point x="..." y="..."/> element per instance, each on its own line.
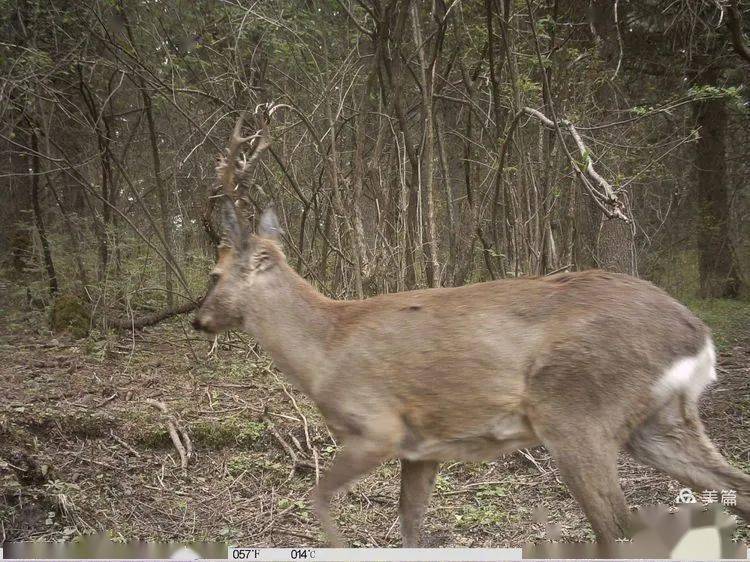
<point x="492" y="492"/>
<point x="251" y="432"/>
<point x="69" y="314"/>
<point x="78" y="424"/>
<point x="490" y="515"/>
<point x="212" y="434"/>
<point x="153" y="437"/>
<point x="208" y="434"/>
<point x="233" y="431"/>
<point x="443" y="484"/>
<point x="489" y="508"/>
<point x="87" y="426"/>
<point x="299" y="507"/>
<point x="728" y="319"/>
<point x="7" y="512"/>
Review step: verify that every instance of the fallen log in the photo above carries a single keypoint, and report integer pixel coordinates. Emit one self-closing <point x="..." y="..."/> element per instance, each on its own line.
<point x="141" y="322"/>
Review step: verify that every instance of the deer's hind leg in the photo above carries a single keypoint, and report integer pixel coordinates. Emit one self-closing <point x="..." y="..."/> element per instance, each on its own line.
<point x="417" y="483"/>
<point x="674" y="441"/>
<point x="584" y="439"/>
<point x="588" y="466"/>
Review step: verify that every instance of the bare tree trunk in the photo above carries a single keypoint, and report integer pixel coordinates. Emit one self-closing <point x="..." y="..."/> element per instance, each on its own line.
<point x="718" y="272"/>
<point x="338" y="205"/>
<point x="166" y="220"/>
<point x="450" y="266"/>
<point x="392" y="79"/>
<point x="73" y="235"/>
<point x="471" y="196"/>
<point x="611" y="242"/>
<point x="405" y="274"/>
<point x="614" y="246"/>
<point x="49" y="265"/>
<point x="358" y="246"/>
<point x="427" y="156"/>
<point x="101" y="228"/>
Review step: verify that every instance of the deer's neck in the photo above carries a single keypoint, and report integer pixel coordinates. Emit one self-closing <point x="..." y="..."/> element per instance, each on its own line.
<point x="292" y="321"/>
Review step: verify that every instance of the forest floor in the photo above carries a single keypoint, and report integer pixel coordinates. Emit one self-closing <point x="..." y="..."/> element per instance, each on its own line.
<point x="82" y="452"/>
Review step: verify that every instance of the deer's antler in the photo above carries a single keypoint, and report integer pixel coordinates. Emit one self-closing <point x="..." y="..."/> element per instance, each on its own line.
<point x="229" y="165"/>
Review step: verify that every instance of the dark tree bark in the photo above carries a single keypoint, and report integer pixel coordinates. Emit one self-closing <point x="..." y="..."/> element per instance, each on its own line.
<point x="103" y="228"/>
<point x="162" y="194"/>
<point x="718" y="272"/>
<point x="72" y="229"/>
<point x="49" y="265"/>
<point x="734" y="24"/>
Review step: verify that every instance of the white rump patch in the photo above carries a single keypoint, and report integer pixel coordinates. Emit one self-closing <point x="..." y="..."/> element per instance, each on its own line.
<point x="689" y="375"/>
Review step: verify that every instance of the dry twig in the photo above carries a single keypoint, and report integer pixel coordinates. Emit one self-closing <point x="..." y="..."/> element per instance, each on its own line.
<point x="184" y="450"/>
<point x="296" y="462"/>
<point x="124" y="444"/>
<point x="106" y="400"/>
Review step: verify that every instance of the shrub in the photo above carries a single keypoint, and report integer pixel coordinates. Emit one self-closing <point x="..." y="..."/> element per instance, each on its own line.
<point x="69" y="314"/>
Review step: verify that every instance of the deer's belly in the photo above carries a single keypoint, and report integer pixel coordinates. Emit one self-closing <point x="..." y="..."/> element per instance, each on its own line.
<point x="507" y="434"/>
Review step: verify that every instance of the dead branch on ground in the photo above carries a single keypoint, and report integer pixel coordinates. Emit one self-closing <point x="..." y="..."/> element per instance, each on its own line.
<point x="179" y="436"/>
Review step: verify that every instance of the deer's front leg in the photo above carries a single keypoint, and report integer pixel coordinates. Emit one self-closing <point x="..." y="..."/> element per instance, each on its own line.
<point x="417" y="483"/>
<point x="357" y="457"/>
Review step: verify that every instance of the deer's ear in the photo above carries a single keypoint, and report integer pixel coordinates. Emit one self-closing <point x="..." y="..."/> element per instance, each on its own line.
<point x="269" y="227"/>
<point x="232" y="233"/>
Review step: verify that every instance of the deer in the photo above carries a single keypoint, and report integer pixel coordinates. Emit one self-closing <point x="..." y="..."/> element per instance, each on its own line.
<point x="586" y="363"/>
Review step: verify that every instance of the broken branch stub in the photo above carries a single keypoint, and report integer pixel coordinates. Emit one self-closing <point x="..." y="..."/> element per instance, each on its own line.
<point x="604" y="195"/>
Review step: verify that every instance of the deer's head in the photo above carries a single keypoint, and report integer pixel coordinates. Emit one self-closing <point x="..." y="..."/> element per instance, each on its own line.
<point x="247" y="262"/>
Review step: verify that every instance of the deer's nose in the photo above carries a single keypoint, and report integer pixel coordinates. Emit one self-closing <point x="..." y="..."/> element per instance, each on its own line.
<point x="197" y="324"/>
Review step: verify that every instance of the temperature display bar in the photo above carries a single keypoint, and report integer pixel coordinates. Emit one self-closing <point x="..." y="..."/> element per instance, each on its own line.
<point x="373" y="554"/>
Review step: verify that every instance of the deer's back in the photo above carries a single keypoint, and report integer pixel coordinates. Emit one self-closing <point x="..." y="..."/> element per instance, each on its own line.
<point x="586" y="306"/>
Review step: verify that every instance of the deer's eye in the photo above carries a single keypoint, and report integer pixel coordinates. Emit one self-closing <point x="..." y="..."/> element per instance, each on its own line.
<point x="215" y="276"/>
